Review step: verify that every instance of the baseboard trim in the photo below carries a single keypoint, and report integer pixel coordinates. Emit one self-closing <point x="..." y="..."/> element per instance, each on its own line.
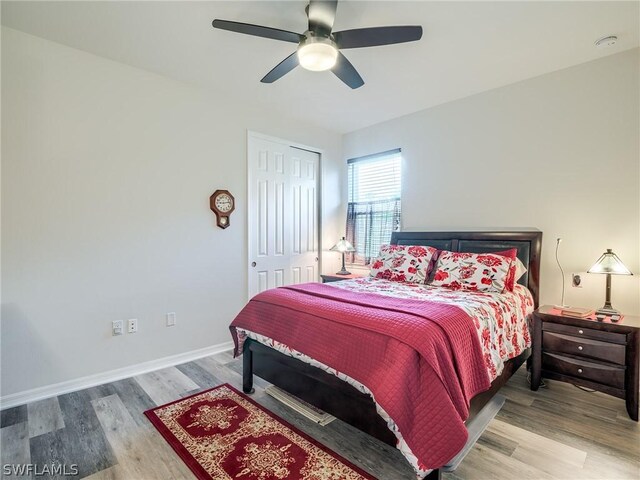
<point x="68" y="386"/>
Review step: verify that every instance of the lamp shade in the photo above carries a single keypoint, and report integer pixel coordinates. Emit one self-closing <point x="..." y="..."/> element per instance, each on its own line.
<point x="611" y="264"/>
<point x="343" y="246"/>
<point x="317" y="54"/>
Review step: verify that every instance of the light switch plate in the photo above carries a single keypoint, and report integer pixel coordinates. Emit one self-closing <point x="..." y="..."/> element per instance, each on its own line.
<point x="117" y="328"/>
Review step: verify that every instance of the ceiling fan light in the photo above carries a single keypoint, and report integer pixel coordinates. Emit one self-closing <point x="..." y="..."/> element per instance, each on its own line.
<point x="317" y="55"/>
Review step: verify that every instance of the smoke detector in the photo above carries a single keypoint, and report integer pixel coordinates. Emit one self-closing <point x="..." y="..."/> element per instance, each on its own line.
<point x="607" y="41"/>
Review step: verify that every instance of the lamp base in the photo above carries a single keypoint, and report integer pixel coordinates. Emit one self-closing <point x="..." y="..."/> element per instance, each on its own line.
<point x="607" y="311"/>
<point x="343" y="272"/>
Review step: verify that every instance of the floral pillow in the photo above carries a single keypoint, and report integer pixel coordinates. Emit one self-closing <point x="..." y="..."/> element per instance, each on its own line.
<point x="403" y="263"/>
<point x="484" y="272"/>
<point x="515" y="271"/>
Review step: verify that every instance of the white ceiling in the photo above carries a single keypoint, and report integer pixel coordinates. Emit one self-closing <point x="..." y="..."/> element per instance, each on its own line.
<point x="467" y="47"/>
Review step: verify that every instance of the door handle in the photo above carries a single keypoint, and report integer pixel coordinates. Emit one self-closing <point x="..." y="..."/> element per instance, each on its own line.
<point x="316" y="259"/>
<point x="253" y="264"/>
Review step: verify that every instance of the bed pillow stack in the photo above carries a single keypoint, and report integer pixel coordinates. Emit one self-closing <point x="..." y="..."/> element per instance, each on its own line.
<point x="483" y="272"/>
<point x="404" y="263"/>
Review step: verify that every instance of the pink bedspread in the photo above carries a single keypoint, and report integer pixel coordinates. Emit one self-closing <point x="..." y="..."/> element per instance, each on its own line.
<point x="422" y="361"/>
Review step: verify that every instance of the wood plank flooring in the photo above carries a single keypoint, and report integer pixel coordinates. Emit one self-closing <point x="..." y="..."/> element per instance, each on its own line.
<point x="559" y="432"/>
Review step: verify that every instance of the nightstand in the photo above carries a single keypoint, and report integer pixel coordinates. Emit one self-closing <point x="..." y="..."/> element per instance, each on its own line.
<point x="337" y="278"/>
<point x="600" y="355"/>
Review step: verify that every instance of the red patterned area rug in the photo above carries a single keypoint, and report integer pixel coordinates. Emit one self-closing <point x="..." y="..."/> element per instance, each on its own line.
<point x="221" y="433"/>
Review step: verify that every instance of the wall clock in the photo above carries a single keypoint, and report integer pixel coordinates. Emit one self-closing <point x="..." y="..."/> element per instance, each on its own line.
<point x="222" y="203"/>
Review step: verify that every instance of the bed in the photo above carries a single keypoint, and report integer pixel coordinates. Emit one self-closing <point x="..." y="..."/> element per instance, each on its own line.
<point x="345" y="400"/>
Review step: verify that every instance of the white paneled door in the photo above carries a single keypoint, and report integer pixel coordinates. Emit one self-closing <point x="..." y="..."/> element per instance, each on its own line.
<point x="283" y="214"/>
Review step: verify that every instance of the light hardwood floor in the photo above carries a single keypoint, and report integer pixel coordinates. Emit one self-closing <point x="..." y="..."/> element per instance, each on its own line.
<point x="558" y="432"/>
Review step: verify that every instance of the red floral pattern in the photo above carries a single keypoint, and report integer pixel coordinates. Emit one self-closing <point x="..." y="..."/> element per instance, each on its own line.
<point x="403" y="263"/>
<point x="515" y="265"/>
<point x="501" y="318"/>
<point x="483" y="272"/>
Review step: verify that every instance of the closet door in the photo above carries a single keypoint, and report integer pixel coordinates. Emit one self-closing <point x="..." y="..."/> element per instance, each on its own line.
<point x="283" y="214"/>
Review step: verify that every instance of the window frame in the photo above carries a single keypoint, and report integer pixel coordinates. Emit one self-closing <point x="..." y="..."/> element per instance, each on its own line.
<point x="375" y="209"/>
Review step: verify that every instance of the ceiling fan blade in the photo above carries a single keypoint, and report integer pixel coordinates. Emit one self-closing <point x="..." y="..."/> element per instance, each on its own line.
<point x="258" y="31"/>
<point x="374" y="36"/>
<point x="322" y="14"/>
<point x="347" y="72"/>
<point x="281" y="69"/>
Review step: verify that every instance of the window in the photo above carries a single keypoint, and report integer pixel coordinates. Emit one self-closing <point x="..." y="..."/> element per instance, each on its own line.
<point x="373" y="211"/>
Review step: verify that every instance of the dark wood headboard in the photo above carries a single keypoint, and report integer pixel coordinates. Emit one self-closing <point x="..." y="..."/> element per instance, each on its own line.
<point x="528" y="242"/>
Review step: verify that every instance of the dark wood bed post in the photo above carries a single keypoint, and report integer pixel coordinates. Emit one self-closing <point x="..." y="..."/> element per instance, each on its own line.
<point x="247" y="369"/>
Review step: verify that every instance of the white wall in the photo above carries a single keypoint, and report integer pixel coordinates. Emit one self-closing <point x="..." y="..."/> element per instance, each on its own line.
<point x="558" y="152"/>
<point x="106" y="177"/>
<point x="107" y="170"/>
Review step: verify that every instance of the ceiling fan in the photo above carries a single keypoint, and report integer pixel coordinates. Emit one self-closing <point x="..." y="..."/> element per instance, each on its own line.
<point x="319" y="47"/>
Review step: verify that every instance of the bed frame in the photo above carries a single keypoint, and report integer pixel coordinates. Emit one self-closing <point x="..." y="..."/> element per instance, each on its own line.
<point x="340" y="399"/>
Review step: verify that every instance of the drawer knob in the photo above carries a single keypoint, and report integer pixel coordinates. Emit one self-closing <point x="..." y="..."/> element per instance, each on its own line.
<point x="580" y="332"/>
<point x="579" y="370"/>
<point x="580" y="347"/>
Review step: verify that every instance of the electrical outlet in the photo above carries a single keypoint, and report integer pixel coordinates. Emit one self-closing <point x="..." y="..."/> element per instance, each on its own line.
<point x="116" y="328"/>
<point x="576" y="280"/>
<point x="171" y="319"/>
<point x="132" y="325"/>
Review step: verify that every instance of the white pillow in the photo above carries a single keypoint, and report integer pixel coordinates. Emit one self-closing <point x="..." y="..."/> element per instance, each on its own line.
<point x="520" y="270"/>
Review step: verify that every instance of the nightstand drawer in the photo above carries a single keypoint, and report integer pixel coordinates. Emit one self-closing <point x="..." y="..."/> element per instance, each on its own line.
<point x="582" y="332"/>
<point x="596" y="372"/>
<point x="601" y="355"/>
<point x="583" y="347"/>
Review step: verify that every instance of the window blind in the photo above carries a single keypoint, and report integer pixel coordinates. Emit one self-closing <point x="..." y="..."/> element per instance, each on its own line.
<point x="373" y="211"/>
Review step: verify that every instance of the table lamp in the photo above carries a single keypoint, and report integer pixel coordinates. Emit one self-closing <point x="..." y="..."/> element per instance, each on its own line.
<point x="610" y="264"/>
<point x="343" y="246"/>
